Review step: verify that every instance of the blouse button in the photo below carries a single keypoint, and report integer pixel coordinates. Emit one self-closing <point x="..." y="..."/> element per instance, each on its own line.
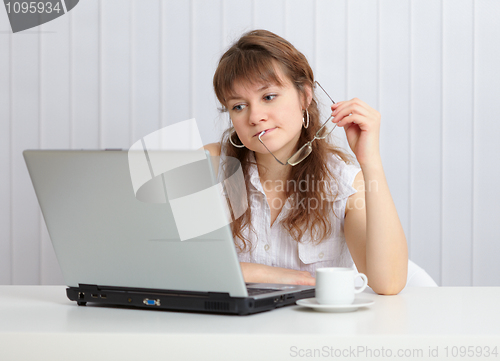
<point x="321" y="255"/>
<point x="266" y="247"/>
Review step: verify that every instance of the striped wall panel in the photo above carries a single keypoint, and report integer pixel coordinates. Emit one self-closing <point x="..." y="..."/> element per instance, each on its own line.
<point x="111" y="71"/>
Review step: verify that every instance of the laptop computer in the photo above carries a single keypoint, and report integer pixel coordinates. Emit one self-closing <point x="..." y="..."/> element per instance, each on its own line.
<point x="115" y="249"/>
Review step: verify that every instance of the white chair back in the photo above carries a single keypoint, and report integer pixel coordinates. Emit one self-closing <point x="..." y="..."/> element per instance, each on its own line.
<point x="417" y="277"/>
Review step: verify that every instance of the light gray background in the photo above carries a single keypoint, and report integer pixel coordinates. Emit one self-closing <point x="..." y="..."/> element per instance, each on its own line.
<point x="112" y="71"/>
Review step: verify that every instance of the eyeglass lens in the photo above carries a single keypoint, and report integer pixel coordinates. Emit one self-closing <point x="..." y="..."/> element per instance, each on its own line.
<point x="301" y="154"/>
<point x="326" y="129"/>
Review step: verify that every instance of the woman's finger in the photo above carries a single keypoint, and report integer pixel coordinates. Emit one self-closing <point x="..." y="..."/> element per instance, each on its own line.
<point x="353" y="103"/>
<point x="346" y="120"/>
<point x="338" y="104"/>
<point x="359" y="120"/>
<point x="340" y="114"/>
<point x="342" y="107"/>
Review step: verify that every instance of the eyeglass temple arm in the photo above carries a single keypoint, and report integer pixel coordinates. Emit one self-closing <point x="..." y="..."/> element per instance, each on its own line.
<point x="316" y="82"/>
<point x="279" y="161"/>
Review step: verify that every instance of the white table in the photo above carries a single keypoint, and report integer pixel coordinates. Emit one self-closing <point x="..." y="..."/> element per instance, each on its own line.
<point x="40" y="323"/>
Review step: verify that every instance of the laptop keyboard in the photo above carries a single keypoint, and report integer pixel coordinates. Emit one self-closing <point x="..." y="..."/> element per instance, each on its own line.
<point x="260" y="291"/>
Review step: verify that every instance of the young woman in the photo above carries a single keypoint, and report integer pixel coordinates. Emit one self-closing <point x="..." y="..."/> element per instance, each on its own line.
<point x="309" y="206"/>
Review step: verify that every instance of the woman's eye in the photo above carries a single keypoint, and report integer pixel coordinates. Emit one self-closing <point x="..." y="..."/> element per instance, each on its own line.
<point x="239" y="107"/>
<point x="270" y="97"/>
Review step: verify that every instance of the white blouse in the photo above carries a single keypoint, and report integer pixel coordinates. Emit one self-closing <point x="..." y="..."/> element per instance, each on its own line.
<point x="274" y="246"/>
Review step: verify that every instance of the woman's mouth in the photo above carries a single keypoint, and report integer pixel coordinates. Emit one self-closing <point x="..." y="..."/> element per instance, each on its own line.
<point x="265" y="132"/>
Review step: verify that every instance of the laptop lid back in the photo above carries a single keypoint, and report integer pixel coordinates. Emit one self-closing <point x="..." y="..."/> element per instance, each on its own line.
<point x="103" y="235"/>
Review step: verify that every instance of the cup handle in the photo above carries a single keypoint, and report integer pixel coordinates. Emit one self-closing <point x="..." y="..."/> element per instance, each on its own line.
<point x="365" y="283"/>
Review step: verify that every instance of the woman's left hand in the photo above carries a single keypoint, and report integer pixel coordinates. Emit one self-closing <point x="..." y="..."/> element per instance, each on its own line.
<point x="362" y="127"/>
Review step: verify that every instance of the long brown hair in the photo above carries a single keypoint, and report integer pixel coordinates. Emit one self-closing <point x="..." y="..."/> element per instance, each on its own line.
<point x="253" y="59"/>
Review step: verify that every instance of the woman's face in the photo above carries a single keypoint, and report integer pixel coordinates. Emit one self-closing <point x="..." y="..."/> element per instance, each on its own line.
<point x="276" y="109"/>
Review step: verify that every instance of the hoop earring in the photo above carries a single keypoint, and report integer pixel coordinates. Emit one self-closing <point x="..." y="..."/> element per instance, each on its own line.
<point x="231" y="140"/>
<point x="307" y="117"/>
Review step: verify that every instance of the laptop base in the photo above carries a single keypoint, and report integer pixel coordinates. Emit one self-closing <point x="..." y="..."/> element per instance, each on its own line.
<point x="209" y="302"/>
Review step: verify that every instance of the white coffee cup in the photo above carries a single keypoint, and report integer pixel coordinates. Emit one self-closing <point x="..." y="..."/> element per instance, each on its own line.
<point x="335" y="285"/>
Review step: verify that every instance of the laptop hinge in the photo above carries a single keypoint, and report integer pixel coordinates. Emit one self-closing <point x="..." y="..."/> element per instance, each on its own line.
<point x="88" y="288"/>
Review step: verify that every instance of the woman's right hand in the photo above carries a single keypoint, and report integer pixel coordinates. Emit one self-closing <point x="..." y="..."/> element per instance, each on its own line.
<point x="259" y="273"/>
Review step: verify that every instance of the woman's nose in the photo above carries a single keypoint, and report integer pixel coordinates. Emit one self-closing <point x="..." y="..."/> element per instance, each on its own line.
<point x="257" y="114"/>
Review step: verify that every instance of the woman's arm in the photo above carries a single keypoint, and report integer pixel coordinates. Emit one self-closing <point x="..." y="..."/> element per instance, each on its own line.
<point x="374" y="233"/>
<point x="259" y="273"/>
<point x="372" y="228"/>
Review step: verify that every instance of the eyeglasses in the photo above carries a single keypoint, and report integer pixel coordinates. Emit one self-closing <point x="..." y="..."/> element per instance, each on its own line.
<point x="306" y="149"/>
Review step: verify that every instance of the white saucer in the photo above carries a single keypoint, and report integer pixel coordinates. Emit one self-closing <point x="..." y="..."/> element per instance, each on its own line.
<point x="357" y="303"/>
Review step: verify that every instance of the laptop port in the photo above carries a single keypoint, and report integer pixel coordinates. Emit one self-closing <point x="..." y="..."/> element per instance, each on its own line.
<point x="81" y="295"/>
<point x="93" y="295"/>
<point x="150" y="302"/>
<point x="104" y="296"/>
